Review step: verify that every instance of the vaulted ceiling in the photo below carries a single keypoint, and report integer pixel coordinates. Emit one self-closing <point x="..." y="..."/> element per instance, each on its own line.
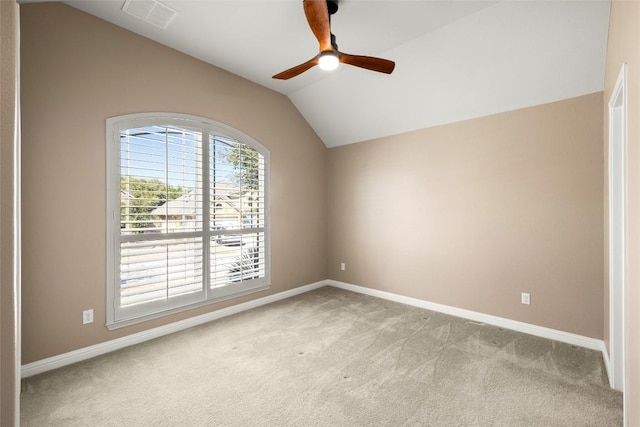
<point x="455" y="60"/>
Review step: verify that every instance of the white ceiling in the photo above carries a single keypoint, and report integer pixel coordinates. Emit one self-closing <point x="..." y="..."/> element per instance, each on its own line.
<point x="455" y="60"/>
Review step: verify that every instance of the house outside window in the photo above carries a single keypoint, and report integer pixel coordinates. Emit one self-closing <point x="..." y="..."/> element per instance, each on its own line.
<point x="187" y="220"/>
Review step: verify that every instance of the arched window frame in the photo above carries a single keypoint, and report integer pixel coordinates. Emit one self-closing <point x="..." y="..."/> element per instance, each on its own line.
<point x="218" y="250"/>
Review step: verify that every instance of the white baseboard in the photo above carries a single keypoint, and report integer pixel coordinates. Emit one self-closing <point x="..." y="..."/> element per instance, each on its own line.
<point x="71" y="357"/>
<point x="65" y="359"/>
<point x="527" y="328"/>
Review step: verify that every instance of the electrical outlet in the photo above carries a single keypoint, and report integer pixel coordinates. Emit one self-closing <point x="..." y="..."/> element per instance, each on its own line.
<point x="343" y="266"/>
<point x="525" y="298"/>
<point x="87" y="316"/>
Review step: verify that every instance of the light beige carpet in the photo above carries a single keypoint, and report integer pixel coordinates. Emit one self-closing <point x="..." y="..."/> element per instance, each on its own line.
<point x="331" y="358"/>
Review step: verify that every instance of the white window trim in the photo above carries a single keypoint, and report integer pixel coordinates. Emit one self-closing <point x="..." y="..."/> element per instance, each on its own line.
<point x="113" y="127"/>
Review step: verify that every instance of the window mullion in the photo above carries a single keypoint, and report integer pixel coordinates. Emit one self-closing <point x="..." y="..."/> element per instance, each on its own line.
<point x="166" y="195"/>
<point x="206" y="211"/>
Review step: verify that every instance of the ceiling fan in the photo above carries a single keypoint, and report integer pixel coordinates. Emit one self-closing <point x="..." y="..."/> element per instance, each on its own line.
<point x="318" y="13"/>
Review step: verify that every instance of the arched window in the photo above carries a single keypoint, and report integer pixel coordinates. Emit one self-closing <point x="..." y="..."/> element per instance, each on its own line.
<point x="187" y="222"/>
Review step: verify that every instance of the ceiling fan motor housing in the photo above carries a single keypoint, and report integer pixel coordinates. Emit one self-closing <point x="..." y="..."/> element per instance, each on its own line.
<point x="332" y="6"/>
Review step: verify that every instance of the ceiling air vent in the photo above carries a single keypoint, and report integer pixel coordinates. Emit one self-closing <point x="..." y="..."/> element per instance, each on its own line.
<point x="151" y="11"/>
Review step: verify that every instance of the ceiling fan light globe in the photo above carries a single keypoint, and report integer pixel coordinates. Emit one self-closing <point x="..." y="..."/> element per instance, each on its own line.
<point x="328" y="61"/>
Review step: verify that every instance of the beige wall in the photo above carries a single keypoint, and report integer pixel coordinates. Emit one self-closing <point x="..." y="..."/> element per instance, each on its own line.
<point x="9" y="292"/>
<point x="76" y="72"/>
<point x="624" y="47"/>
<point x="474" y="213"/>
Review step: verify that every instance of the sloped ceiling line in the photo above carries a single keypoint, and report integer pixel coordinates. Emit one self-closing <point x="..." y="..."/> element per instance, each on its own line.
<point x="454" y="60"/>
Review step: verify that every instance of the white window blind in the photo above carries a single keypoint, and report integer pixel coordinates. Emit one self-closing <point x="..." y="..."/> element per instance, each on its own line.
<point x="188" y="215"/>
<point x="238" y="213"/>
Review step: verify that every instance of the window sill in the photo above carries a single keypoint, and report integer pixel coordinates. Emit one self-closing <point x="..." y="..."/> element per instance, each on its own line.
<point x="134" y="321"/>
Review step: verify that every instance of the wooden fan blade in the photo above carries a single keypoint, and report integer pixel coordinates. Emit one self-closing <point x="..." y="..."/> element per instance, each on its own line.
<point x="298" y="69"/>
<point x="368" y="62"/>
<point x="317" y="15"/>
